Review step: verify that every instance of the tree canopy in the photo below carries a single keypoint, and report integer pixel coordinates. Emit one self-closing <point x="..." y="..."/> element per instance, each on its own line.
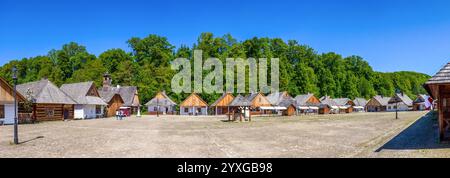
<point x="147" y="66"/>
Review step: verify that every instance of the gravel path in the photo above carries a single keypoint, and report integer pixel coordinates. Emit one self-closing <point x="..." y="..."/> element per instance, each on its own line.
<point x="346" y="135"/>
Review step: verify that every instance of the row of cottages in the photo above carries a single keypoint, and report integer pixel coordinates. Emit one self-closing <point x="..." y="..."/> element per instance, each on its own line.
<point x="124" y="98"/>
<point x="161" y="103"/>
<point x="399" y="101"/>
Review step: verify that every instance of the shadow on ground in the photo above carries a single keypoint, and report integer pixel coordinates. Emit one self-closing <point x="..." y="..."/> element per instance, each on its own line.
<point x="423" y="134"/>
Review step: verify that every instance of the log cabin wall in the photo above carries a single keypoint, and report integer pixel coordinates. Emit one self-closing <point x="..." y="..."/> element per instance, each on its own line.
<point x="51" y="112"/>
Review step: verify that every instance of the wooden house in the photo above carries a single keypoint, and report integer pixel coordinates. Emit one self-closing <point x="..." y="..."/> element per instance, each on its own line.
<point x="307" y="104"/>
<point x="377" y="104"/>
<point x="194" y="105"/>
<point x="114" y="101"/>
<point x="221" y="105"/>
<point x="359" y="105"/>
<point x="399" y="102"/>
<point x="129" y="95"/>
<point x="161" y="104"/>
<point x="7" y="102"/>
<point x="49" y="102"/>
<point x="289" y="105"/>
<point x="259" y="104"/>
<point x="328" y="106"/>
<point x="422" y="103"/>
<point x="345" y="105"/>
<point x="88" y="102"/>
<point x="281" y="102"/>
<point x="439" y="88"/>
<point x="240" y="107"/>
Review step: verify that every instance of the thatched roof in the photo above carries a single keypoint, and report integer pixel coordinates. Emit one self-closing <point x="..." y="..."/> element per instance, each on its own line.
<point x="239" y="100"/>
<point x="165" y="101"/>
<point x="79" y="93"/>
<point x="44" y="91"/>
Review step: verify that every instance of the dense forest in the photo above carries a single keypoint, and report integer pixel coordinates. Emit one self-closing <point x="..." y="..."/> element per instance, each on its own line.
<point x="302" y="69"/>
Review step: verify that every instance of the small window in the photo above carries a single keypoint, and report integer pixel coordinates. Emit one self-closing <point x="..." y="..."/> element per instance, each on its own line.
<point x="50" y="112"/>
<point x="199" y="110"/>
<point x="155" y="109"/>
<point x="98" y="109"/>
<point x="186" y="109"/>
<point x="2" y="111"/>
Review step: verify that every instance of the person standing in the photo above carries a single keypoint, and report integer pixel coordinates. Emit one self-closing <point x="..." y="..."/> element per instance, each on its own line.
<point x="117" y="114"/>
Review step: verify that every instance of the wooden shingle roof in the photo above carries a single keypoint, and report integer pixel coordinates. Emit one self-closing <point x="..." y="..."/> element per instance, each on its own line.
<point x="44" y="91"/>
<point x="79" y="93"/>
<point x="443" y="76"/>
<point x="161" y="99"/>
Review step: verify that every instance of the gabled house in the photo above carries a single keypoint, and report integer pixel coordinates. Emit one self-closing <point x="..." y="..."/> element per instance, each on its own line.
<point x="281" y="102"/>
<point x="88" y="102"/>
<point x="345" y="105"/>
<point x="422" y="102"/>
<point x="400" y="102"/>
<point x="240" y="107"/>
<point x="328" y="106"/>
<point x="161" y="103"/>
<point x="129" y="95"/>
<point x="194" y="105"/>
<point x="7" y="102"/>
<point x="221" y="105"/>
<point x="49" y="102"/>
<point x="307" y="103"/>
<point x="114" y="101"/>
<point x="359" y="105"/>
<point x="377" y="103"/>
<point x="259" y="103"/>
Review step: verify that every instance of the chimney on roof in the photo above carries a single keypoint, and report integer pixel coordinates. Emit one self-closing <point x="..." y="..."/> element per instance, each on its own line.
<point x="107" y="80"/>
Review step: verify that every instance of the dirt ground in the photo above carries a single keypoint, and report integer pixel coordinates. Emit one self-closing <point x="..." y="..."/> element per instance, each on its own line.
<point x="345" y="135"/>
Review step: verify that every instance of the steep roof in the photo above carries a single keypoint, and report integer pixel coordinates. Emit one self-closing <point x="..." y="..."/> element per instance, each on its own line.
<point x="443" y="76"/>
<point x="239" y="100"/>
<point x="286" y="101"/>
<point x="224" y="95"/>
<point x="193" y="100"/>
<point x="79" y="93"/>
<point x="277" y="97"/>
<point x="360" y="102"/>
<point x="382" y="100"/>
<point x="126" y="92"/>
<point x="165" y="101"/>
<point x="44" y="91"/>
<point x="403" y="98"/>
<point x="326" y="100"/>
<point x="302" y="100"/>
<point x="341" y="101"/>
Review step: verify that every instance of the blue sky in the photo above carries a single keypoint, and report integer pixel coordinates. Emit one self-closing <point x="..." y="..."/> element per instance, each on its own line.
<point x="392" y="35"/>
